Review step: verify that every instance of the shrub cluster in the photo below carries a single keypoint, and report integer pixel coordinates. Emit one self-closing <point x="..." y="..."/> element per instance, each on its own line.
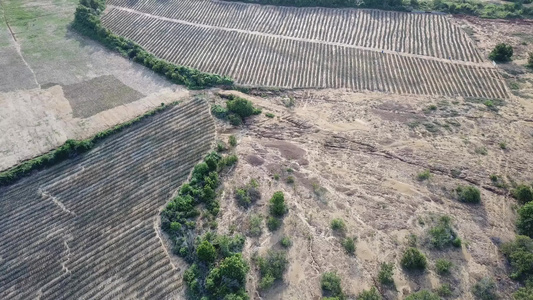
<point x="338" y="224"/>
<point x="520" y="255"/>
<point x="501" y="53"/>
<point x="87" y="22"/>
<point x="468" y="194"/>
<point x="271" y="268"/>
<point x="70" y="148"/>
<point x="331" y="286"/>
<point x="385" y="274"/>
<point x="525" y="220"/>
<point x="443" y="235"/>
<point x="278" y="209"/>
<point x="248" y="194"/>
<point x="485" y="289"/>
<point x="523" y="193"/>
<point x="443" y="266"/>
<point x="236" y="111"/>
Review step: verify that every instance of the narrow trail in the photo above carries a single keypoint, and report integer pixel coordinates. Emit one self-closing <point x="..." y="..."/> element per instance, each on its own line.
<point x="262" y="34"/>
<point x="17" y="45"/>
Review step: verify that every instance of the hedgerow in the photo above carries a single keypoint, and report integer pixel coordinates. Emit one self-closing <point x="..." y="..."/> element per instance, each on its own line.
<point x="70" y="148"/>
<point x="87" y="22"/>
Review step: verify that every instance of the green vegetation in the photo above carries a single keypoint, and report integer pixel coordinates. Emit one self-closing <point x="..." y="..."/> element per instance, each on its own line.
<point x="271" y="268"/>
<point x="269" y="115"/>
<point x="87" y="22"/>
<point x="468" y="194"/>
<point x="236" y="111"/>
<point x="232" y="140"/>
<point x="520" y="255"/>
<point x="525" y="220"/>
<point x="485" y="289"/>
<point x="501" y="53"/>
<point x="424" y="175"/>
<point x="331" y="286"/>
<point x="530" y="60"/>
<point x="349" y="245"/>
<point x="498" y="181"/>
<point x="385" y="274"/>
<point x="69" y="149"/>
<point x="444" y="290"/>
<point x="523" y="193"/>
<point x="286" y="242"/>
<point x="290" y="179"/>
<point x="256" y="225"/>
<point x="443" y="235"/>
<point x="338" y="224"/>
<point x="206" y="252"/>
<point x="273" y="223"/>
<point x="422" y="295"/>
<point x="371" y="294"/>
<point x="443" y="266"/>
<point x="502" y="145"/>
<point x="413" y="259"/>
<point x="524" y="293"/>
<point x="248" y="194"/>
<point x="277" y="204"/>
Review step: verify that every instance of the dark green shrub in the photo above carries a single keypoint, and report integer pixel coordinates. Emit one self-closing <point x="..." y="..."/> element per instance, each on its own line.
<point x="525" y="220"/>
<point x="241" y="107"/>
<point x="273" y="223"/>
<point x="468" y="194"/>
<point x="425" y="175"/>
<point x="444" y="290"/>
<point x="277" y="204"/>
<point x="235" y="120"/>
<point x="338" y="224"/>
<point x="520" y="255"/>
<point x="422" y="295"/>
<point x="485" y="289"/>
<point x="501" y="53"/>
<point x="229" y="277"/>
<point x="413" y="259"/>
<point x="248" y="195"/>
<point x="443" y="266"/>
<point x="331" y="285"/>
<point x="227" y="161"/>
<point x="290" y="179"/>
<point x="371" y="294"/>
<point x="349" y="245"/>
<point x="286" y="242"/>
<point x="524" y="293"/>
<point x="523" y="193"/>
<point x="206" y="252"/>
<point x="271" y="268"/>
<point x="385" y="274"/>
<point x="219" y="111"/>
<point x="232" y="140"/>
<point x="457" y="242"/>
<point x="442" y="234"/>
<point x="228" y="246"/>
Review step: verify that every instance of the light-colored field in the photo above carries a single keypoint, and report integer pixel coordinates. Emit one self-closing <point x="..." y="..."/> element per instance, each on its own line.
<point x="88" y="228"/>
<point x="264" y="59"/>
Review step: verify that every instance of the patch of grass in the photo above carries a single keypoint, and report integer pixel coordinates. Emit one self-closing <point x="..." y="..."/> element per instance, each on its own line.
<point x="443" y="266"/>
<point x="269" y="115"/>
<point x="468" y="194"/>
<point x="386" y="271"/>
<point x="442" y="234"/>
<point x="424" y="175"/>
<point x="502" y="145"/>
<point x="288" y="102"/>
<point x="431" y="127"/>
<point x="248" y="194"/>
<point x="256" y="225"/>
<point x="514" y="86"/>
<point x="430" y="108"/>
<point x="455" y="173"/>
<point x="444" y="290"/>
<point x="481" y="151"/>
<point x="276" y="176"/>
<point x="286" y="242"/>
<point x="413" y="124"/>
<point x="485" y="289"/>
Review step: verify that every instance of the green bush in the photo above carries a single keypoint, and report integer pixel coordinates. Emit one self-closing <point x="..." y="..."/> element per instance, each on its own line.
<point x="385" y="274"/>
<point x="524" y="293"/>
<point x="219" y="111"/>
<point x="422" y="295"/>
<point x="519" y="253"/>
<point x="286" y="242"/>
<point x="501" y="53"/>
<point x="269" y="115"/>
<point x="425" y="175"/>
<point x="227" y="161"/>
<point x="443" y="266"/>
<point x="273" y="223"/>
<point x="331" y="285"/>
<point x="206" y="252"/>
<point x="523" y="193"/>
<point x="413" y="259"/>
<point x="290" y="179"/>
<point x="235" y="120"/>
<point x="228" y="246"/>
<point x="256" y="225"/>
<point x="444" y="290"/>
<point x="371" y="294"/>
<point x="232" y="140"/>
<point x="338" y="224"/>
<point x="277" y="204"/>
<point x="349" y="245"/>
<point x="525" y="220"/>
<point x="442" y="234"/>
<point x="248" y="194"/>
<point x="271" y="268"/>
<point x="485" y="289"/>
<point x="228" y="278"/>
<point x="468" y="194"/>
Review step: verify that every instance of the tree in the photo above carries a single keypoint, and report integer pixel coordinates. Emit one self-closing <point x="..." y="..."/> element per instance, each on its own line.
<point x="228" y="278"/>
<point x="501" y="53"/>
<point x="206" y="252"/>
<point x="241" y="107"/>
<point x="520" y="255"/>
<point x="413" y="259"/>
<point x="525" y="220"/>
<point x="277" y="204"/>
<point x="331" y="285"/>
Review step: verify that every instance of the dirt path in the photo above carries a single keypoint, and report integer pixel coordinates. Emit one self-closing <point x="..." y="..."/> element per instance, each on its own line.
<point x="485" y="64"/>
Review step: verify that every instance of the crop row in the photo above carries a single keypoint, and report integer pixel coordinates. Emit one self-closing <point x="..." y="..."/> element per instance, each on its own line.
<point x="414" y="33"/>
<point x="105" y="246"/>
<point x="261" y="60"/>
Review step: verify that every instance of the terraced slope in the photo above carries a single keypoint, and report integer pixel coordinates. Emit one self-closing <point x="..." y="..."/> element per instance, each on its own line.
<point x="423" y="34"/>
<point x="86" y="228"/>
<point x="260" y="59"/>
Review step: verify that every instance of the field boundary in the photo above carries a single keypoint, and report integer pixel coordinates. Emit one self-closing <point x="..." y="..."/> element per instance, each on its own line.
<point x="70" y="148"/>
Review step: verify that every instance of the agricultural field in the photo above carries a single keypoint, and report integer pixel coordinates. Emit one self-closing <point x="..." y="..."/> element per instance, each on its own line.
<point x="88" y="228"/>
<point x="333" y="52"/>
<point x="56" y="85"/>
